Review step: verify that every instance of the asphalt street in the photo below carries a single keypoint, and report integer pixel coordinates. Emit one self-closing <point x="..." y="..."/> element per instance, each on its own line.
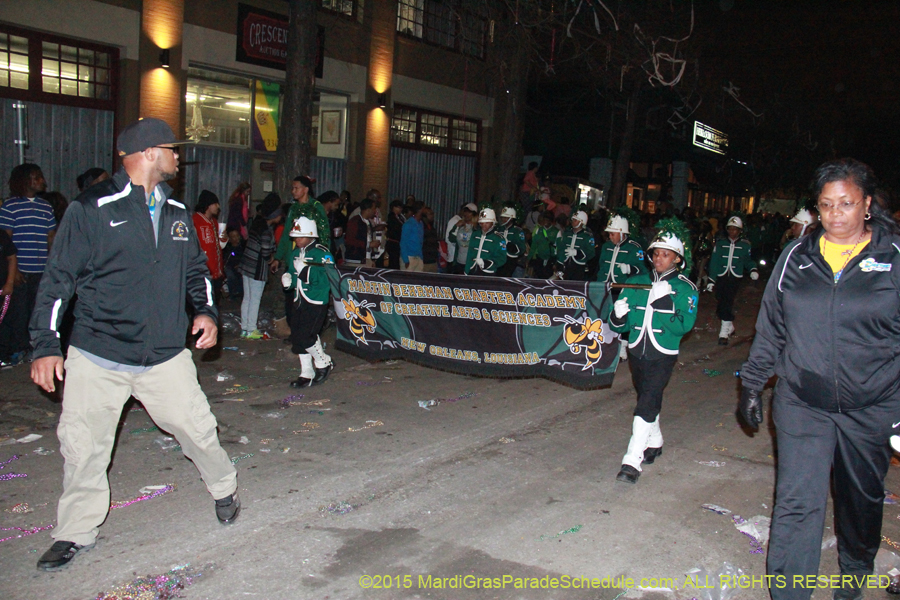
<point x="354" y="491"/>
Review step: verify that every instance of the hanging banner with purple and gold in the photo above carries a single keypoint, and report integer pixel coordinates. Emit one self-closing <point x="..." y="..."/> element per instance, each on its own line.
<point x="264" y="129"/>
<point x="494" y="326"/>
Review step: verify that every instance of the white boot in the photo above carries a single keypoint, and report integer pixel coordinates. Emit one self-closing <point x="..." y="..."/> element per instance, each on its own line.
<point x="321" y="359"/>
<point x="307" y="372"/>
<point x="654" y="443"/>
<point x="726" y="330"/>
<point x="640" y="435"/>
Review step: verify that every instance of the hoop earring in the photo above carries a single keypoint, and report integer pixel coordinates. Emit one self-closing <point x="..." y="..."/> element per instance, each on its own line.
<point x="868" y="216"/>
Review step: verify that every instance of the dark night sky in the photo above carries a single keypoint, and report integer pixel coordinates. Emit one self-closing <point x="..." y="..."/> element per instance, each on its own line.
<point x="827" y="69"/>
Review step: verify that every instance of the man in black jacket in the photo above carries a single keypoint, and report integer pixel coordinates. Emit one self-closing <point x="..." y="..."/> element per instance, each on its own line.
<point x="131" y="254"/>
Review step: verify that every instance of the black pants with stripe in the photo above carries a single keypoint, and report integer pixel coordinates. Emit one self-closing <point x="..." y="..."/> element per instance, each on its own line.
<point x="306" y="322"/>
<point x="815" y="445"/>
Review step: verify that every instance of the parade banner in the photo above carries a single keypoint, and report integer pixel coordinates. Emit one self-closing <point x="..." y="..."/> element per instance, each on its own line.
<point x="492" y="326"/>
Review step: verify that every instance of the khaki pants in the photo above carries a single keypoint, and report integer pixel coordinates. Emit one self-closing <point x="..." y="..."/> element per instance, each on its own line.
<point x="414" y="264"/>
<point x="92" y="405"/>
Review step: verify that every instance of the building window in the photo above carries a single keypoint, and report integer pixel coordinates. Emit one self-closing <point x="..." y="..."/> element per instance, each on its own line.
<point x="465" y="135"/>
<point x="344" y="7"/>
<point x="74" y="71"/>
<point x="410" y="16"/>
<point x="217" y="108"/>
<point x="13" y="61"/>
<point x="444" y="23"/>
<point x="404" y="125"/>
<point x="434" y="131"/>
<point x="45" y="68"/>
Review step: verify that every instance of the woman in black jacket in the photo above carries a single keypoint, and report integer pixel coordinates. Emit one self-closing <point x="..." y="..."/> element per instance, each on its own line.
<point x="829" y="328"/>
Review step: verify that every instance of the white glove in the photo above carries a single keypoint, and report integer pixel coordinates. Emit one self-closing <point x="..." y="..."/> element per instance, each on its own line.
<point x="621" y="308"/>
<point x="754" y="275"/>
<point x="286" y="280"/>
<point x="479" y="262"/>
<point x="660" y="289"/>
<point x="625" y="268"/>
<point x="710" y="286"/>
<point x="570" y="252"/>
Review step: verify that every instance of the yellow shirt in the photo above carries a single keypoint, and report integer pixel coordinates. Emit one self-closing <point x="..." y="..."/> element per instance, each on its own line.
<point x="839" y="255"/>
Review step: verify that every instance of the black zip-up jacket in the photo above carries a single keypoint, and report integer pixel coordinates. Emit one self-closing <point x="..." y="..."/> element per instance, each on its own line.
<point x="834" y="346"/>
<point x="131" y="289"/>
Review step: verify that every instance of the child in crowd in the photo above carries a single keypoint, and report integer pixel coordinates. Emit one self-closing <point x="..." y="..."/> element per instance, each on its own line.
<point x="657" y="317"/>
<point x="307" y="278"/>
<point x="231" y="258"/>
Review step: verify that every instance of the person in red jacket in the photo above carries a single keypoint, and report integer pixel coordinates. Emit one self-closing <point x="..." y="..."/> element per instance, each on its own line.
<point x="206" y="222"/>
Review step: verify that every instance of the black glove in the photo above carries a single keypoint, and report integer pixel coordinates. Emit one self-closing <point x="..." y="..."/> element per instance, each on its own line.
<point x="750" y="406"/>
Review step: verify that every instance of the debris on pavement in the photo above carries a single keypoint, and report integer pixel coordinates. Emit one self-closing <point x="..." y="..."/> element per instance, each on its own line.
<point x="8" y="476"/>
<point x="829" y="542"/>
<point x="20" y="508"/>
<point x="307" y="427"/>
<point x="368" y="424"/>
<point x="31" y="437"/>
<point x="244" y="440"/>
<point x="506" y="440"/>
<point x="40" y="450"/>
<point x="427" y="404"/>
<point x="224" y="375"/>
<point x="575" y="529"/>
<point x="339" y="508"/>
<point x="238" y="459"/>
<point x="711" y="463"/>
<point x="168" y="443"/>
<point x="756" y="528"/>
<point x="711" y="372"/>
<point x="716" y="509"/>
<point x="155" y="587"/>
<point x="146" y="493"/>
<point x="237" y="389"/>
<point x="25" y="532"/>
<point x="144" y="429"/>
<point x="890" y="497"/>
<point x="724" y="582"/>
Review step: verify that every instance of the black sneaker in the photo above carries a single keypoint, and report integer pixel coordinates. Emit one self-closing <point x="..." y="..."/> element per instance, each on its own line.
<point x="723" y="341"/>
<point x="228" y="509"/>
<point x="651" y="454"/>
<point x="59" y="555"/>
<point x="628" y="474"/>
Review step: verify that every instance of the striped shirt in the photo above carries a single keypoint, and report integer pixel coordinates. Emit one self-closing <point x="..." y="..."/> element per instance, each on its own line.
<point x="258" y="251"/>
<point x="30" y="220"/>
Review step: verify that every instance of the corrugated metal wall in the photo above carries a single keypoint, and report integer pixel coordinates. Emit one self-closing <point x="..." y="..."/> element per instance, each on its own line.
<point x="444" y="182"/>
<point x="65" y="141"/>
<point x="330" y="174"/>
<point x="218" y="170"/>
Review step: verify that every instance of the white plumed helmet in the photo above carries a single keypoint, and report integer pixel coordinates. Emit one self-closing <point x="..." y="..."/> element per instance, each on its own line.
<point x="304" y="227"/>
<point x="487" y="215"/>
<point x="509" y="211"/>
<point x="668" y="242"/>
<point x="581" y="217"/>
<point x="617" y="224"/>
<point x="735" y="222"/>
<point x="803" y="217"/>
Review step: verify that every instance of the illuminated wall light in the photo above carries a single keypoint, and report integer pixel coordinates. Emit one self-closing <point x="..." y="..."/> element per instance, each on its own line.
<point x="164" y="58"/>
<point x="382" y="100"/>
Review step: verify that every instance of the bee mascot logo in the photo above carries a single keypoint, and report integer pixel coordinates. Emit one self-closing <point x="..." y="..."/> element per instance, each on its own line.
<point x="361" y="318"/>
<point x="583" y="333"/>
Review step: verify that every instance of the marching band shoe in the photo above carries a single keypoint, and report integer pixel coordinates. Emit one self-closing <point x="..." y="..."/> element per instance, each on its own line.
<point x="651" y="454"/>
<point x="59" y="555"/>
<point x="301" y="382"/>
<point x="321" y="375"/>
<point x="723" y="341"/>
<point x="628" y="474"/>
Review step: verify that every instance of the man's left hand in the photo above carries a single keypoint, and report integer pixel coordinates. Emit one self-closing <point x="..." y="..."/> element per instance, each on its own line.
<point x="210" y="331"/>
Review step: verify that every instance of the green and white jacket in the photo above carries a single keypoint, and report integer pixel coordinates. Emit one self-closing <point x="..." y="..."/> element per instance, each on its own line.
<point x="306" y="269"/>
<point x="489" y="247"/>
<point x="730" y="258"/>
<point x="629" y="252"/>
<point x="657" y="328"/>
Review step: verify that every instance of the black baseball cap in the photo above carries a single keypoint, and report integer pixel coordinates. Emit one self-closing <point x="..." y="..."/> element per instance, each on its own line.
<point x="146" y="133"/>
